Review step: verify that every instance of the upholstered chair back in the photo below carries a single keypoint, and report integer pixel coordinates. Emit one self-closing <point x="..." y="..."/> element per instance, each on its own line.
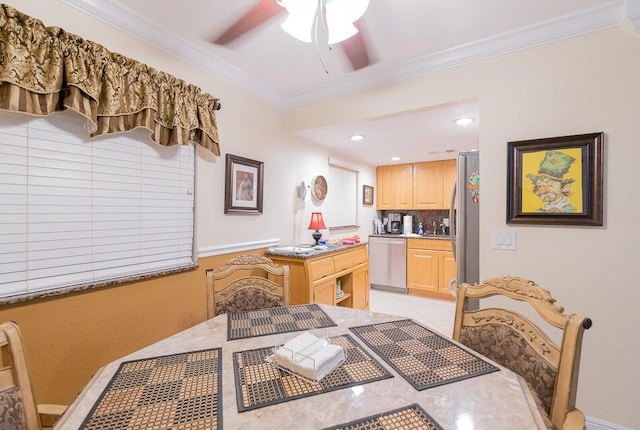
<point x="245" y="283"/>
<point x="17" y="405"/>
<point x="512" y="340"/>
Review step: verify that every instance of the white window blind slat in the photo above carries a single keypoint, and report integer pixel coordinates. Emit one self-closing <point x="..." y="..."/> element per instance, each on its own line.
<point x="11" y="286"/>
<point x="73" y="245"/>
<point x="77" y="211"/>
<point x="13" y="228"/>
<point x="342" y="197"/>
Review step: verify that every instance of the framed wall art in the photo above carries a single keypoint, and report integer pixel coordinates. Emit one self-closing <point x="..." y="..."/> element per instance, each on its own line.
<point x="243" y="185"/>
<point x="555" y="180"/>
<point x="367" y="195"/>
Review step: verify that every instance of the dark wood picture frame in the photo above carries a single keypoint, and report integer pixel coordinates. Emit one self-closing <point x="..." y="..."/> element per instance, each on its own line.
<point x="556" y="181"/>
<point x="367" y="195"/>
<point x="243" y="185"/>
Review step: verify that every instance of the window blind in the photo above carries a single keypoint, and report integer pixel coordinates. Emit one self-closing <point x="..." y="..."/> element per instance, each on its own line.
<point x="77" y="212"/>
<point x="342" y="197"/>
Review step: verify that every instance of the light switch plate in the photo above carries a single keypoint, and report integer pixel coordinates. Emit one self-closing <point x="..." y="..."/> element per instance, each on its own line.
<point x="503" y="239"/>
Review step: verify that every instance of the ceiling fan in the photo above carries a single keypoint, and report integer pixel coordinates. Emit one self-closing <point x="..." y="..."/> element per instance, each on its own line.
<point x="264" y="10"/>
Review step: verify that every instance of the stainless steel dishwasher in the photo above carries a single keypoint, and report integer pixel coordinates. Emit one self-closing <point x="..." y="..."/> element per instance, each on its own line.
<point x="388" y="263"/>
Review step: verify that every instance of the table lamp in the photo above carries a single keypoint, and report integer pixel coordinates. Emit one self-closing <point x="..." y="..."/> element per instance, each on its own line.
<point x="316" y="224"/>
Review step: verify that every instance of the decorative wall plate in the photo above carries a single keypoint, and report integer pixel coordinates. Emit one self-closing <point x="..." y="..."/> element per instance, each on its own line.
<point x="319" y="188"/>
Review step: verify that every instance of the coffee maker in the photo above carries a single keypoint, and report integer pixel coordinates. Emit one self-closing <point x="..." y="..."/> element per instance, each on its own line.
<point x="395" y="223"/>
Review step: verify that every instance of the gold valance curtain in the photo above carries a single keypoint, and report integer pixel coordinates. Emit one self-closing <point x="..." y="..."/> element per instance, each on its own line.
<point x="45" y="69"/>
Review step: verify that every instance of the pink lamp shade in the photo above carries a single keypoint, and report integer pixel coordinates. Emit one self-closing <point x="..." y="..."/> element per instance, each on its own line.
<point x="316" y="224"/>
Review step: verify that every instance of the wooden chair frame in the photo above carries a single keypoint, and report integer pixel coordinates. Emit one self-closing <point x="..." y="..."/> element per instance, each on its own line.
<point x="565" y="358"/>
<point x="14" y="372"/>
<point x="245" y="272"/>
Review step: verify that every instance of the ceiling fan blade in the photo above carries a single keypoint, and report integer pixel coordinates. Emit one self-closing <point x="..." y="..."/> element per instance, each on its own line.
<point x="356" y="49"/>
<point x="258" y="14"/>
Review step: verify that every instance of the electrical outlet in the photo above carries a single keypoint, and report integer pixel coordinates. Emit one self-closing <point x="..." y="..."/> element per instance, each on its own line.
<point x="503" y="239"/>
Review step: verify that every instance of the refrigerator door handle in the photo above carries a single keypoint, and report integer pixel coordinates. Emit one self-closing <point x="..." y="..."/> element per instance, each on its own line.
<point x="452" y="223"/>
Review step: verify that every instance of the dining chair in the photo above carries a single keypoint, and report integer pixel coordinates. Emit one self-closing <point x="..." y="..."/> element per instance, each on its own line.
<point x="512" y="340"/>
<point x="245" y="283"/>
<point x="18" y="408"/>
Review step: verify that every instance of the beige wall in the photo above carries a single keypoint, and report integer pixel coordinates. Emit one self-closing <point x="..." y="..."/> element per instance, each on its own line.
<point x="582" y="85"/>
<point x="68" y="338"/>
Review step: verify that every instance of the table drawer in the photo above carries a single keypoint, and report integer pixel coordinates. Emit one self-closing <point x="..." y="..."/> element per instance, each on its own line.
<point x="321" y="268"/>
<point x="359" y="256"/>
<point x="343" y="261"/>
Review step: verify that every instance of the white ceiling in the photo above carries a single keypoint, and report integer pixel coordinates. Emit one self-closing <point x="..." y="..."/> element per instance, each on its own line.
<point x="404" y="38"/>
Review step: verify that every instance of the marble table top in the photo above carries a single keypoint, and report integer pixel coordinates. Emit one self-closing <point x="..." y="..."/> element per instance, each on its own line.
<point x="498" y="400"/>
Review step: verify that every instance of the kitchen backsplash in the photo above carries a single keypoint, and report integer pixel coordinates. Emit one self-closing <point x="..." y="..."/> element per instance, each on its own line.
<point x="426" y="217"/>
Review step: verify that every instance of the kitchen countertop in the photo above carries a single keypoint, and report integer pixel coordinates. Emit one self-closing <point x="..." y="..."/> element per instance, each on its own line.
<point x="413" y="236"/>
<point x="307" y="252"/>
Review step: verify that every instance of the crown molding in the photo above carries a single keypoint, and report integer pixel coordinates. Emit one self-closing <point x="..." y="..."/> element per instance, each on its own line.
<point x="600" y="17"/>
<point x="609" y="14"/>
<point x="633" y="15"/>
<point x="136" y="25"/>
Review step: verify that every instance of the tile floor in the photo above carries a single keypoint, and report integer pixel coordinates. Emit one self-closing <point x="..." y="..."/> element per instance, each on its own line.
<point x="433" y="313"/>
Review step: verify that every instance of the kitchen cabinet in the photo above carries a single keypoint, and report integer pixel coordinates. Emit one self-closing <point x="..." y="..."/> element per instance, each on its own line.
<point x="427" y="185"/>
<point x="395" y="187"/>
<point x="313" y="278"/>
<point x="449" y="175"/>
<point x="420" y="186"/>
<point x="433" y="184"/>
<point x="430" y="267"/>
<point x="422" y="270"/>
<point x="447" y="270"/>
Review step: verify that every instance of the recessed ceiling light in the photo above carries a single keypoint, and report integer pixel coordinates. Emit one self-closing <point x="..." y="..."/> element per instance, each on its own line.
<point x="395" y="158"/>
<point x="465" y="120"/>
<point x="357" y="137"/>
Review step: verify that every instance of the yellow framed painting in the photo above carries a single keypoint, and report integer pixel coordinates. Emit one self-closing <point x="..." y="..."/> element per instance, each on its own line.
<point x="555" y="180"/>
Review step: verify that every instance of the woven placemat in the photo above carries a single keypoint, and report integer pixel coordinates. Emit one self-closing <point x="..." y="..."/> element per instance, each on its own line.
<point x="425" y="359"/>
<point x="176" y="391"/>
<point x="260" y="384"/>
<point x="284" y="319"/>
<point x="411" y="417"/>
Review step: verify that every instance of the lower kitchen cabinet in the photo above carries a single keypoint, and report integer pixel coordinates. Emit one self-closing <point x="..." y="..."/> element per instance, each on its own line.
<point x="447" y="270"/>
<point x="359" y="289"/>
<point x="325" y="292"/>
<point x="430" y="267"/>
<point x="422" y="270"/>
<point x="313" y="278"/>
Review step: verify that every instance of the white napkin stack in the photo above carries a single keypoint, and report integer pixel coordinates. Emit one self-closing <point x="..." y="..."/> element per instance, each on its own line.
<point x="309" y="356"/>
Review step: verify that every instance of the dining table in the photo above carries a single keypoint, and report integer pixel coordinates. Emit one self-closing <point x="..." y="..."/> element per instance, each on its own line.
<point x="215" y="375"/>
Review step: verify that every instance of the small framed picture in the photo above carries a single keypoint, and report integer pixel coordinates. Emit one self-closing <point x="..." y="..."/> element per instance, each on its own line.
<point x="243" y="185"/>
<point x="555" y="180"/>
<point x="367" y="195"/>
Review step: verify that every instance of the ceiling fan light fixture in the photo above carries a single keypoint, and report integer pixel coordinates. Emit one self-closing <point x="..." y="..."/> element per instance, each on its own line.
<point x="302" y="15"/>
<point x="351" y="9"/>
<point x="339" y="29"/>
<point x="340" y="16"/>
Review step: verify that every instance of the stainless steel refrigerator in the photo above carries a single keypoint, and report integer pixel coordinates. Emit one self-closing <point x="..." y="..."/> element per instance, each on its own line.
<point x="465" y="225"/>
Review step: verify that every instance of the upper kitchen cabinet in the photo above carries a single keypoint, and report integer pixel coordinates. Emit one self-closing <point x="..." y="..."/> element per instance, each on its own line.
<point x="395" y="187"/>
<point x="449" y="175"/>
<point x="427" y="185"/>
<point x="433" y="184"/>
